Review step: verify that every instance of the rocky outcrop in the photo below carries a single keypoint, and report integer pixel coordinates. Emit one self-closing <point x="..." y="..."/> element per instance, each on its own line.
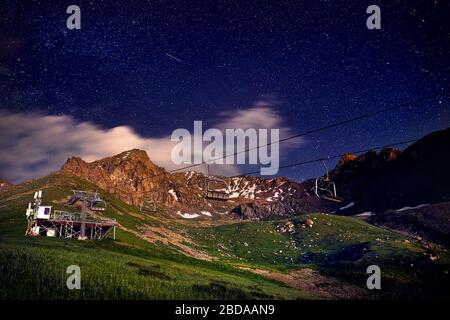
<point x="393" y="179"/>
<point x="132" y="176"/>
<point x="351" y="165"/>
<point x="369" y="182"/>
<point x="418" y="175"/>
<point x="128" y="175"/>
<point x="4" y="185"/>
<point x="353" y="173"/>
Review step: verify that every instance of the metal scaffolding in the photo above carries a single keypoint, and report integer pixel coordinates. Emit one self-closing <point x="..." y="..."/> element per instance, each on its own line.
<point x="64" y="224"/>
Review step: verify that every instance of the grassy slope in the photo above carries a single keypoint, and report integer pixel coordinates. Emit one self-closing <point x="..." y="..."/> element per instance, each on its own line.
<point x="129" y="268"/>
<point x="341" y="247"/>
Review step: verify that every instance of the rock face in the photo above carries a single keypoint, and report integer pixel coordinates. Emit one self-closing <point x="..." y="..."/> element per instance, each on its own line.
<point x="392" y="179"/>
<point x="4" y="185"/>
<point x="132" y="176"/>
<point x="418" y="175"/>
<point x="370" y="182"/>
<point x="353" y="174"/>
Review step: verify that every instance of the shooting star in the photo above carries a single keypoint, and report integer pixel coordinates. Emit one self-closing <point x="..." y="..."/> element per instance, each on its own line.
<point x="174" y="58"/>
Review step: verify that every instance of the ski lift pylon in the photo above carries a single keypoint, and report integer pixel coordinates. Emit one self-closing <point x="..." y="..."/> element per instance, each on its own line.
<point x="324" y="188"/>
<point x="93" y="200"/>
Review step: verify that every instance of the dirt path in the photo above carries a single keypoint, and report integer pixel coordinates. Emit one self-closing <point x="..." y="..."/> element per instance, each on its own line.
<point x="169" y="237"/>
<point x="312" y="281"/>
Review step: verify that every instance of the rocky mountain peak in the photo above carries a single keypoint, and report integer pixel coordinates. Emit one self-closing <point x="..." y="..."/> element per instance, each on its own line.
<point x="133" y="177"/>
<point x="129" y="174"/>
<point x="389" y="154"/>
<point x="345" y="159"/>
<point x="134" y="155"/>
<point x="350" y="163"/>
<point x="383" y="176"/>
<point x="74" y="161"/>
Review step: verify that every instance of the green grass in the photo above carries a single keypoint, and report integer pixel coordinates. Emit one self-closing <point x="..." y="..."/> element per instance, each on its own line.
<point x="341" y="247"/>
<point x="330" y="239"/>
<point x="35" y="269"/>
<point x="132" y="268"/>
<point x="129" y="268"/>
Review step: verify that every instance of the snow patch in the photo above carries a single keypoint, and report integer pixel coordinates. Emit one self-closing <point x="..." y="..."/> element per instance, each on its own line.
<point x="206" y="213"/>
<point x="250" y="192"/>
<point x="365" y="214"/>
<point x="416" y="207"/>
<point x="234" y="195"/>
<point x="351" y="204"/>
<point x="187" y="215"/>
<point x="189" y="175"/>
<point x="173" y="193"/>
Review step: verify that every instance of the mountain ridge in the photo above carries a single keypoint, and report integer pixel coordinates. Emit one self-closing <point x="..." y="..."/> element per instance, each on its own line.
<point x="363" y="181"/>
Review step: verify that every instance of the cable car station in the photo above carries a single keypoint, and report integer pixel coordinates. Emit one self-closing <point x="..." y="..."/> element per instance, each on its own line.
<point x="44" y="221"/>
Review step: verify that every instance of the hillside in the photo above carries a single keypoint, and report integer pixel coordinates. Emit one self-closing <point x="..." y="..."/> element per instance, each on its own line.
<point x="131" y="176"/>
<point x="373" y="182"/>
<point x="394" y="179"/>
<point x="155" y="256"/>
<point x="429" y="221"/>
<point x="133" y="267"/>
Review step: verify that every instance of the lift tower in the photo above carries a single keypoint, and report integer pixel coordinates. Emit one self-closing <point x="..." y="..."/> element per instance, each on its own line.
<point x="90" y="201"/>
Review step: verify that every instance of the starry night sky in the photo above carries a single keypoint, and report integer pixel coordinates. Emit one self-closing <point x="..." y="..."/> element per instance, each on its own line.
<point x="316" y="57"/>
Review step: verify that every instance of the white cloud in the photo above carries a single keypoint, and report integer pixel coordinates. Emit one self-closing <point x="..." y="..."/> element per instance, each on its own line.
<point x="261" y="115"/>
<point x="33" y="144"/>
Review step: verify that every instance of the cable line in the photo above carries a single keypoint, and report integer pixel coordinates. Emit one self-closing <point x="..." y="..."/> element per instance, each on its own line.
<point x="336" y="156"/>
<point x="329" y="126"/>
